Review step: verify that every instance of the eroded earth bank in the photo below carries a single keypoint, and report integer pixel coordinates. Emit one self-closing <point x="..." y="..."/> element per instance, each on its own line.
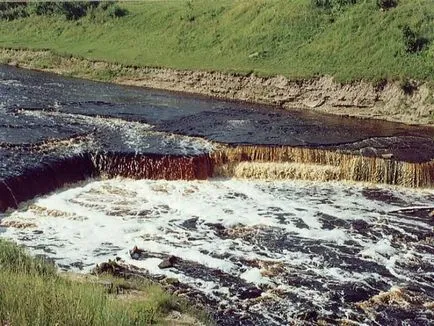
<point x="235" y="206"/>
<point x="407" y="101"/>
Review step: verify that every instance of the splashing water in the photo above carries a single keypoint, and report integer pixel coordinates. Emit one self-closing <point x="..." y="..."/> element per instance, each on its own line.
<point x="316" y="251"/>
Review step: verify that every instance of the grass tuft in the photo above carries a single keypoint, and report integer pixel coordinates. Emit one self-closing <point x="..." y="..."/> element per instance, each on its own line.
<point x="32" y="293"/>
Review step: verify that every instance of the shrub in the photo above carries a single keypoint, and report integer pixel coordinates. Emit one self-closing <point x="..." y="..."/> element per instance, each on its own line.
<point x="13" y="10"/>
<point x="408" y="87"/>
<point x="74" y="10"/>
<point x="387" y="4"/>
<point x="330" y="4"/>
<point x="413" y="42"/>
<point x="115" y="11"/>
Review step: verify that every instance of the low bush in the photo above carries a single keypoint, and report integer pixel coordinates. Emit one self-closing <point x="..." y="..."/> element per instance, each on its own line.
<point x="408" y="87"/>
<point x="387" y="4"/>
<point x="115" y="11"/>
<point x="13" y="10"/>
<point x="330" y="4"/>
<point x="413" y="42"/>
<point x="71" y="10"/>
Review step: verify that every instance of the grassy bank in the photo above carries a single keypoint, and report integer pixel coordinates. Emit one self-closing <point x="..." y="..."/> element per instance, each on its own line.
<point x="294" y="38"/>
<point x="32" y="293"/>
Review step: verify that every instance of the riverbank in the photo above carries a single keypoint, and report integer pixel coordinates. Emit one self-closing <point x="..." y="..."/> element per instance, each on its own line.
<point x="411" y="103"/>
<point x="370" y="59"/>
<point x="33" y="292"/>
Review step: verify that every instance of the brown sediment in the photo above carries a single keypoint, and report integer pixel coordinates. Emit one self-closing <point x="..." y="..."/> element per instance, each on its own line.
<point x="17" y="224"/>
<point x="396" y="296"/>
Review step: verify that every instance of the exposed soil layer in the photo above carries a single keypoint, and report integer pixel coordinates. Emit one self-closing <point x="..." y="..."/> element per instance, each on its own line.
<point x="408" y="102"/>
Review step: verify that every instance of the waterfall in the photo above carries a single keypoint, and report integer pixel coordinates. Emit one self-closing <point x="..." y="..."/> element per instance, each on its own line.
<point x="258" y="162"/>
<point x="327" y="164"/>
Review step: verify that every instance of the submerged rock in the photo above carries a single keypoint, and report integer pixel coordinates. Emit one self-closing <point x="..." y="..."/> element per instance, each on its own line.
<point x="250" y="293"/>
<point x="168" y="262"/>
<point x="136" y="253"/>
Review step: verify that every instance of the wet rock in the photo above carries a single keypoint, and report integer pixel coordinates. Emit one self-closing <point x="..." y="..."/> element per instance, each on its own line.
<point x="357" y="294"/>
<point x="308" y="315"/>
<point x="137" y="253"/>
<point x="104" y="268"/>
<point x="190" y="224"/>
<point x="172" y="281"/>
<point x="360" y="225"/>
<point x="168" y="262"/>
<point x="250" y="293"/>
<point x="330" y="222"/>
<point x="218" y="228"/>
<point x="78" y="264"/>
<point x="158" y="277"/>
<point x="229" y="311"/>
<point x="113" y="268"/>
<point x="383" y="195"/>
<point x="368" y="151"/>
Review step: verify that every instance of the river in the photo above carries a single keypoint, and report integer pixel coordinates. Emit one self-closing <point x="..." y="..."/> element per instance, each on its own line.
<point x="259" y="251"/>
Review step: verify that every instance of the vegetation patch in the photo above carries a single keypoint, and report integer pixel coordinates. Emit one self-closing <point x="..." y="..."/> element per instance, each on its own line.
<point x="333" y="4"/>
<point x="33" y="293"/>
<point x="413" y="42"/>
<point x="71" y="10"/>
<point x="387" y="4"/>
<point x="347" y="39"/>
<point x="408" y="87"/>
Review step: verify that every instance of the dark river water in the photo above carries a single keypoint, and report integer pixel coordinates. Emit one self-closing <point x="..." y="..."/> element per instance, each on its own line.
<point x="255" y="252"/>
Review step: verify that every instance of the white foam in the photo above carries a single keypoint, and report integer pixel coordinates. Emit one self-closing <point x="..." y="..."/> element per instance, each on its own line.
<point x="103" y="219"/>
<point x="254" y="276"/>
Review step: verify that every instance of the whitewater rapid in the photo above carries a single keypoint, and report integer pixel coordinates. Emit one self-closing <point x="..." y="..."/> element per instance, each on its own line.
<point x="307" y="245"/>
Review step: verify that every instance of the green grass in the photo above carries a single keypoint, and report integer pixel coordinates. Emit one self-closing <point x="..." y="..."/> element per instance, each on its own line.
<point x="267" y="37"/>
<point x="32" y="293"/>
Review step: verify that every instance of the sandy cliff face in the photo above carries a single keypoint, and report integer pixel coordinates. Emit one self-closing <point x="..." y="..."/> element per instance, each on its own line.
<point x="386" y="101"/>
<point x="412" y="102"/>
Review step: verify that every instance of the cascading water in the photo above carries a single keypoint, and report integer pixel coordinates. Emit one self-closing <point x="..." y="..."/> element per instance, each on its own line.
<point x="153" y="166"/>
<point x="320" y="164"/>
<point x="212" y="189"/>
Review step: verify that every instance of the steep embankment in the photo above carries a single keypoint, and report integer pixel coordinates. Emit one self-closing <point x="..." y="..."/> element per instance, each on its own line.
<point x="355" y="59"/>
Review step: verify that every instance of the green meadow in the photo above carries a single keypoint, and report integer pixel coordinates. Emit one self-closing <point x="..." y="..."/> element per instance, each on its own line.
<point x="295" y="38"/>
